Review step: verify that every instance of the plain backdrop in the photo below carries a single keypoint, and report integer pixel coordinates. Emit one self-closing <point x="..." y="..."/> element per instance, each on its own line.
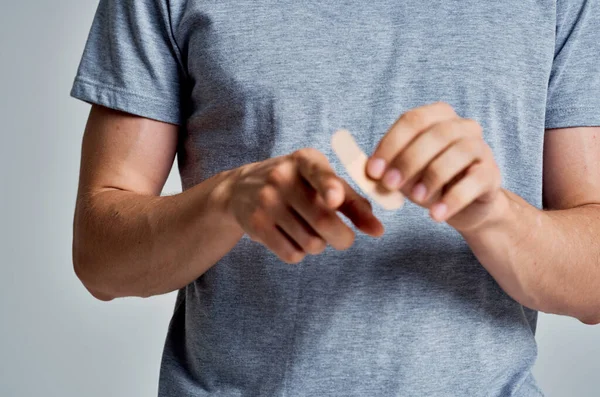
<point x="55" y="339"/>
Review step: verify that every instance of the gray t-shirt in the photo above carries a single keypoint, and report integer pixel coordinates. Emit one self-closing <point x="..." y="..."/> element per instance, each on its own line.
<point x="412" y="313"/>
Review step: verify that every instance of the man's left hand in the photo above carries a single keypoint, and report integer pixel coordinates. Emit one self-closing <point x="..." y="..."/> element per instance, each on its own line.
<point x="440" y="161"/>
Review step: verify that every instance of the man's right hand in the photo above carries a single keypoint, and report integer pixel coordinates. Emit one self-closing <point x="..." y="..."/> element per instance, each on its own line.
<point x="128" y="240"/>
<point x="290" y="203"/>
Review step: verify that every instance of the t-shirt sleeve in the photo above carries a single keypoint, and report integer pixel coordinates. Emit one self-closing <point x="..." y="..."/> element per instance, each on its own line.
<point x="131" y="61"/>
<point x="574" y="86"/>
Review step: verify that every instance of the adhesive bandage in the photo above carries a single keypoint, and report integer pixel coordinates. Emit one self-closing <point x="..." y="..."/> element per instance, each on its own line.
<point x="355" y="160"/>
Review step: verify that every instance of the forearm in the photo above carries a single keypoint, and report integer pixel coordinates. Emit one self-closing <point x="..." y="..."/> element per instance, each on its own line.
<point x="546" y="260"/>
<point x="127" y="244"/>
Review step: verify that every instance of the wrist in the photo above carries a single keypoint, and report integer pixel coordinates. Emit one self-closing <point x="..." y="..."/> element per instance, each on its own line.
<point x="219" y="199"/>
<point x="498" y="214"/>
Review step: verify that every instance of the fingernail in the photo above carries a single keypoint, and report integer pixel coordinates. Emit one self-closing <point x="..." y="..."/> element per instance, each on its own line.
<point x="439" y="210"/>
<point x="392" y="178"/>
<point x="375" y="167"/>
<point x="419" y="192"/>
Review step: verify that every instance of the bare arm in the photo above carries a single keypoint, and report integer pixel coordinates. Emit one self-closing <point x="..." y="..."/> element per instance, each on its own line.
<point x="546" y="260"/>
<point x="550" y="260"/>
<point x="129" y="241"/>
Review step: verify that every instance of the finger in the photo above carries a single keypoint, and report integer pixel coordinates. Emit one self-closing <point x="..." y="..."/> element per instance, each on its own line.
<point x="300" y="231"/>
<point x="437" y="196"/>
<point x="289" y="222"/>
<point x="360" y="212"/>
<point x="323" y="220"/>
<point x="264" y="230"/>
<point x="474" y="184"/>
<point x="284" y="247"/>
<point x="403" y="131"/>
<point x="314" y="167"/>
<point x="454" y="160"/>
<point x="426" y="146"/>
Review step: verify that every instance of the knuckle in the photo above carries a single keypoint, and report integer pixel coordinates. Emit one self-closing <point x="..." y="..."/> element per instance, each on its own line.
<point x="314" y="245"/>
<point x="414" y="117"/>
<point x="471" y="147"/>
<point x="256" y="221"/>
<point x="292" y="257"/>
<point x="444" y="107"/>
<point x="473" y="126"/>
<point x="275" y="175"/>
<point x="443" y="131"/>
<point x="299" y="154"/>
<point x="303" y="154"/>
<point x="267" y="196"/>
<point x="280" y="174"/>
<point x="449" y="130"/>
<point x="300" y="157"/>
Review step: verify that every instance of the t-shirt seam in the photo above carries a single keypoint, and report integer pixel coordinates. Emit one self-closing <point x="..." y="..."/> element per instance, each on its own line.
<point x="120" y="90"/>
<point x="570" y="109"/>
<point x="172" y="37"/>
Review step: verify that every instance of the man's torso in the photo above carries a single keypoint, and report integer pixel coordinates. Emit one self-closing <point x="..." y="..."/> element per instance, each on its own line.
<point x="412" y="313"/>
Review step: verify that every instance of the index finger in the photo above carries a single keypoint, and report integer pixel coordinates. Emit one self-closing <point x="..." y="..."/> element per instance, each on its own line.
<point x="403" y="131"/>
<point x="360" y="212"/>
<point x="314" y="167"/>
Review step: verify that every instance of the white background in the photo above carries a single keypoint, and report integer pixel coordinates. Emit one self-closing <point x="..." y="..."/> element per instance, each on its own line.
<point x="55" y="339"/>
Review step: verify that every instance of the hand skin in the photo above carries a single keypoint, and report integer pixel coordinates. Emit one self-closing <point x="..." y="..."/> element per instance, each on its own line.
<point x="289" y="204"/>
<point x="547" y="260"/>
<point x="129" y="241"/>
